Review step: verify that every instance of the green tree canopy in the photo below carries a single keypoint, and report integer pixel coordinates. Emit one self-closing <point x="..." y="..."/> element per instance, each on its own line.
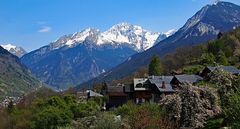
<point x="155" y="66"/>
<point x="207" y="59"/>
<point x="221" y="58"/>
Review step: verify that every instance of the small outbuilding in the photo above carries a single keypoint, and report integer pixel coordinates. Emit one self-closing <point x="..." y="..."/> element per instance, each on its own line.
<point x="116" y="96"/>
<point x="184" y="78"/>
<point x="231" y="69"/>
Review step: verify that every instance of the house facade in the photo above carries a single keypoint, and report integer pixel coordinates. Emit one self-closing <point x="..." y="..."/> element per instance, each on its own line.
<point x="141" y="90"/>
<point x="118" y="95"/>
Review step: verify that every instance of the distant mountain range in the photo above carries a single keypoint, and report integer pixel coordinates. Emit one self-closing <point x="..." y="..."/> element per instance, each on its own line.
<point x="76" y="58"/>
<point x="15" y="50"/>
<point x="203" y="26"/>
<point x="15" y="78"/>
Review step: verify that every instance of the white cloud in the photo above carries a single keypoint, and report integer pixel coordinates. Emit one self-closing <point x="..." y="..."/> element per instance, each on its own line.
<point x="45" y="29"/>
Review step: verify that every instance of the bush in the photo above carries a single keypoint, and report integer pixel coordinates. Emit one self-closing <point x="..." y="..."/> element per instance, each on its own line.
<point x="108" y="121"/>
<point x="193" y="69"/>
<point x="146" y="115"/>
<point x="126" y="109"/>
<point x="51" y="118"/>
<point x="214" y="123"/>
<point x="232" y="110"/>
<point x="207" y="59"/>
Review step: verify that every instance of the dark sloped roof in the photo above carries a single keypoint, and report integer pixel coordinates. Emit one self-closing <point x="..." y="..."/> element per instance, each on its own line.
<point x="230" y="69"/>
<point x="168" y="88"/>
<point x="158" y="81"/>
<point x="188" y="78"/>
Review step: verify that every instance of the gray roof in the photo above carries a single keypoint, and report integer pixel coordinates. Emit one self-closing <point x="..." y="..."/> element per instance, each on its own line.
<point x="230" y="69"/>
<point x="94" y="94"/>
<point x="188" y="78"/>
<point x="168" y="88"/>
<point x="158" y="80"/>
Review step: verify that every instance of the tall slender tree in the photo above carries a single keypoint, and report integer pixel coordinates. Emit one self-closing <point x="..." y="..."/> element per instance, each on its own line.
<point x="155" y="66"/>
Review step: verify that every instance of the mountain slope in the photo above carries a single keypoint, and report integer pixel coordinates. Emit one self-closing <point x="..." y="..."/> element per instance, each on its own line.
<point x="203" y="26"/>
<point x="15" y="79"/>
<point x="79" y="57"/>
<point x="15" y="50"/>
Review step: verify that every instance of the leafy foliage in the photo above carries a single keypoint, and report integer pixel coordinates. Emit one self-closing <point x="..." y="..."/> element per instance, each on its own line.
<point x="155" y="66"/>
<point x="108" y="121"/>
<point x="193" y="69"/>
<point x="40" y="111"/>
<point x="146" y="115"/>
<point x="232" y="111"/>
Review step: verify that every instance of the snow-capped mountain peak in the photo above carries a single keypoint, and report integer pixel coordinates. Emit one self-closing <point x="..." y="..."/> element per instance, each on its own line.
<point x="18" y="51"/>
<point x="81" y="36"/>
<point x="9" y="47"/>
<point x="137" y="37"/>
<point x="170" y="32"/>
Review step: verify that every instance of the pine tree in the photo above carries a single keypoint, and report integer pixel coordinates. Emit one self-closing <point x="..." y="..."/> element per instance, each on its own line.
<point x="155" y="66"/>
<point x="221" y="58"/>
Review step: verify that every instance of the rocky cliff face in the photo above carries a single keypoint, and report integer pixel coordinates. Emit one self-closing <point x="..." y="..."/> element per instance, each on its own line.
<point x="15" y="79"/>
<point x="192" y="106"/>
<point x="15" y="50"/>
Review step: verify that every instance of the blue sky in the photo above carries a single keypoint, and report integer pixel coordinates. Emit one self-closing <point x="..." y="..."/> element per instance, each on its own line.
<point x="34" y="23"/>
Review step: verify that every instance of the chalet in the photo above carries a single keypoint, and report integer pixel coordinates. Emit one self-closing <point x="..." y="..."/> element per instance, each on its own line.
<point x="231" y="69"/>
<point x="180" y="79"/>
<point x="117" y="95"/>
<point x="151" y="88"/>
<point x="142" y="90"/>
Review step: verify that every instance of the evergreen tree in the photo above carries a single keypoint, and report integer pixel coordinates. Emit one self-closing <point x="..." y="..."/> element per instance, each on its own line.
<point x="221" y="58"/>
<point x="155" y="66"/>
<point x="207" y="59"/>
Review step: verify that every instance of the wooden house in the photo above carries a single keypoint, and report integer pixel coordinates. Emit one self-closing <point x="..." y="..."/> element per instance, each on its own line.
<point x="152" y="88"/>
<point x="142" y="90"/>
<point x="184" y="78"/>
<point x="117" y="95"/>
<point x="231" y="69"/>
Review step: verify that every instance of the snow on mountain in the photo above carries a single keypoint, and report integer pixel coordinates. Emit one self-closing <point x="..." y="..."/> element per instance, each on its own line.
<point x="15" y="50"/>
<point x="165" y="35"/>
<point x="170" y="32"/>
<point x="205" y="25"/>
<point x="137" y="37"/>
<point x="140" y="38"/>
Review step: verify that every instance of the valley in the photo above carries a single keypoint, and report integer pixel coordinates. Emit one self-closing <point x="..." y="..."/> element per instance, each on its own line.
<point x="126" y="77"/>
